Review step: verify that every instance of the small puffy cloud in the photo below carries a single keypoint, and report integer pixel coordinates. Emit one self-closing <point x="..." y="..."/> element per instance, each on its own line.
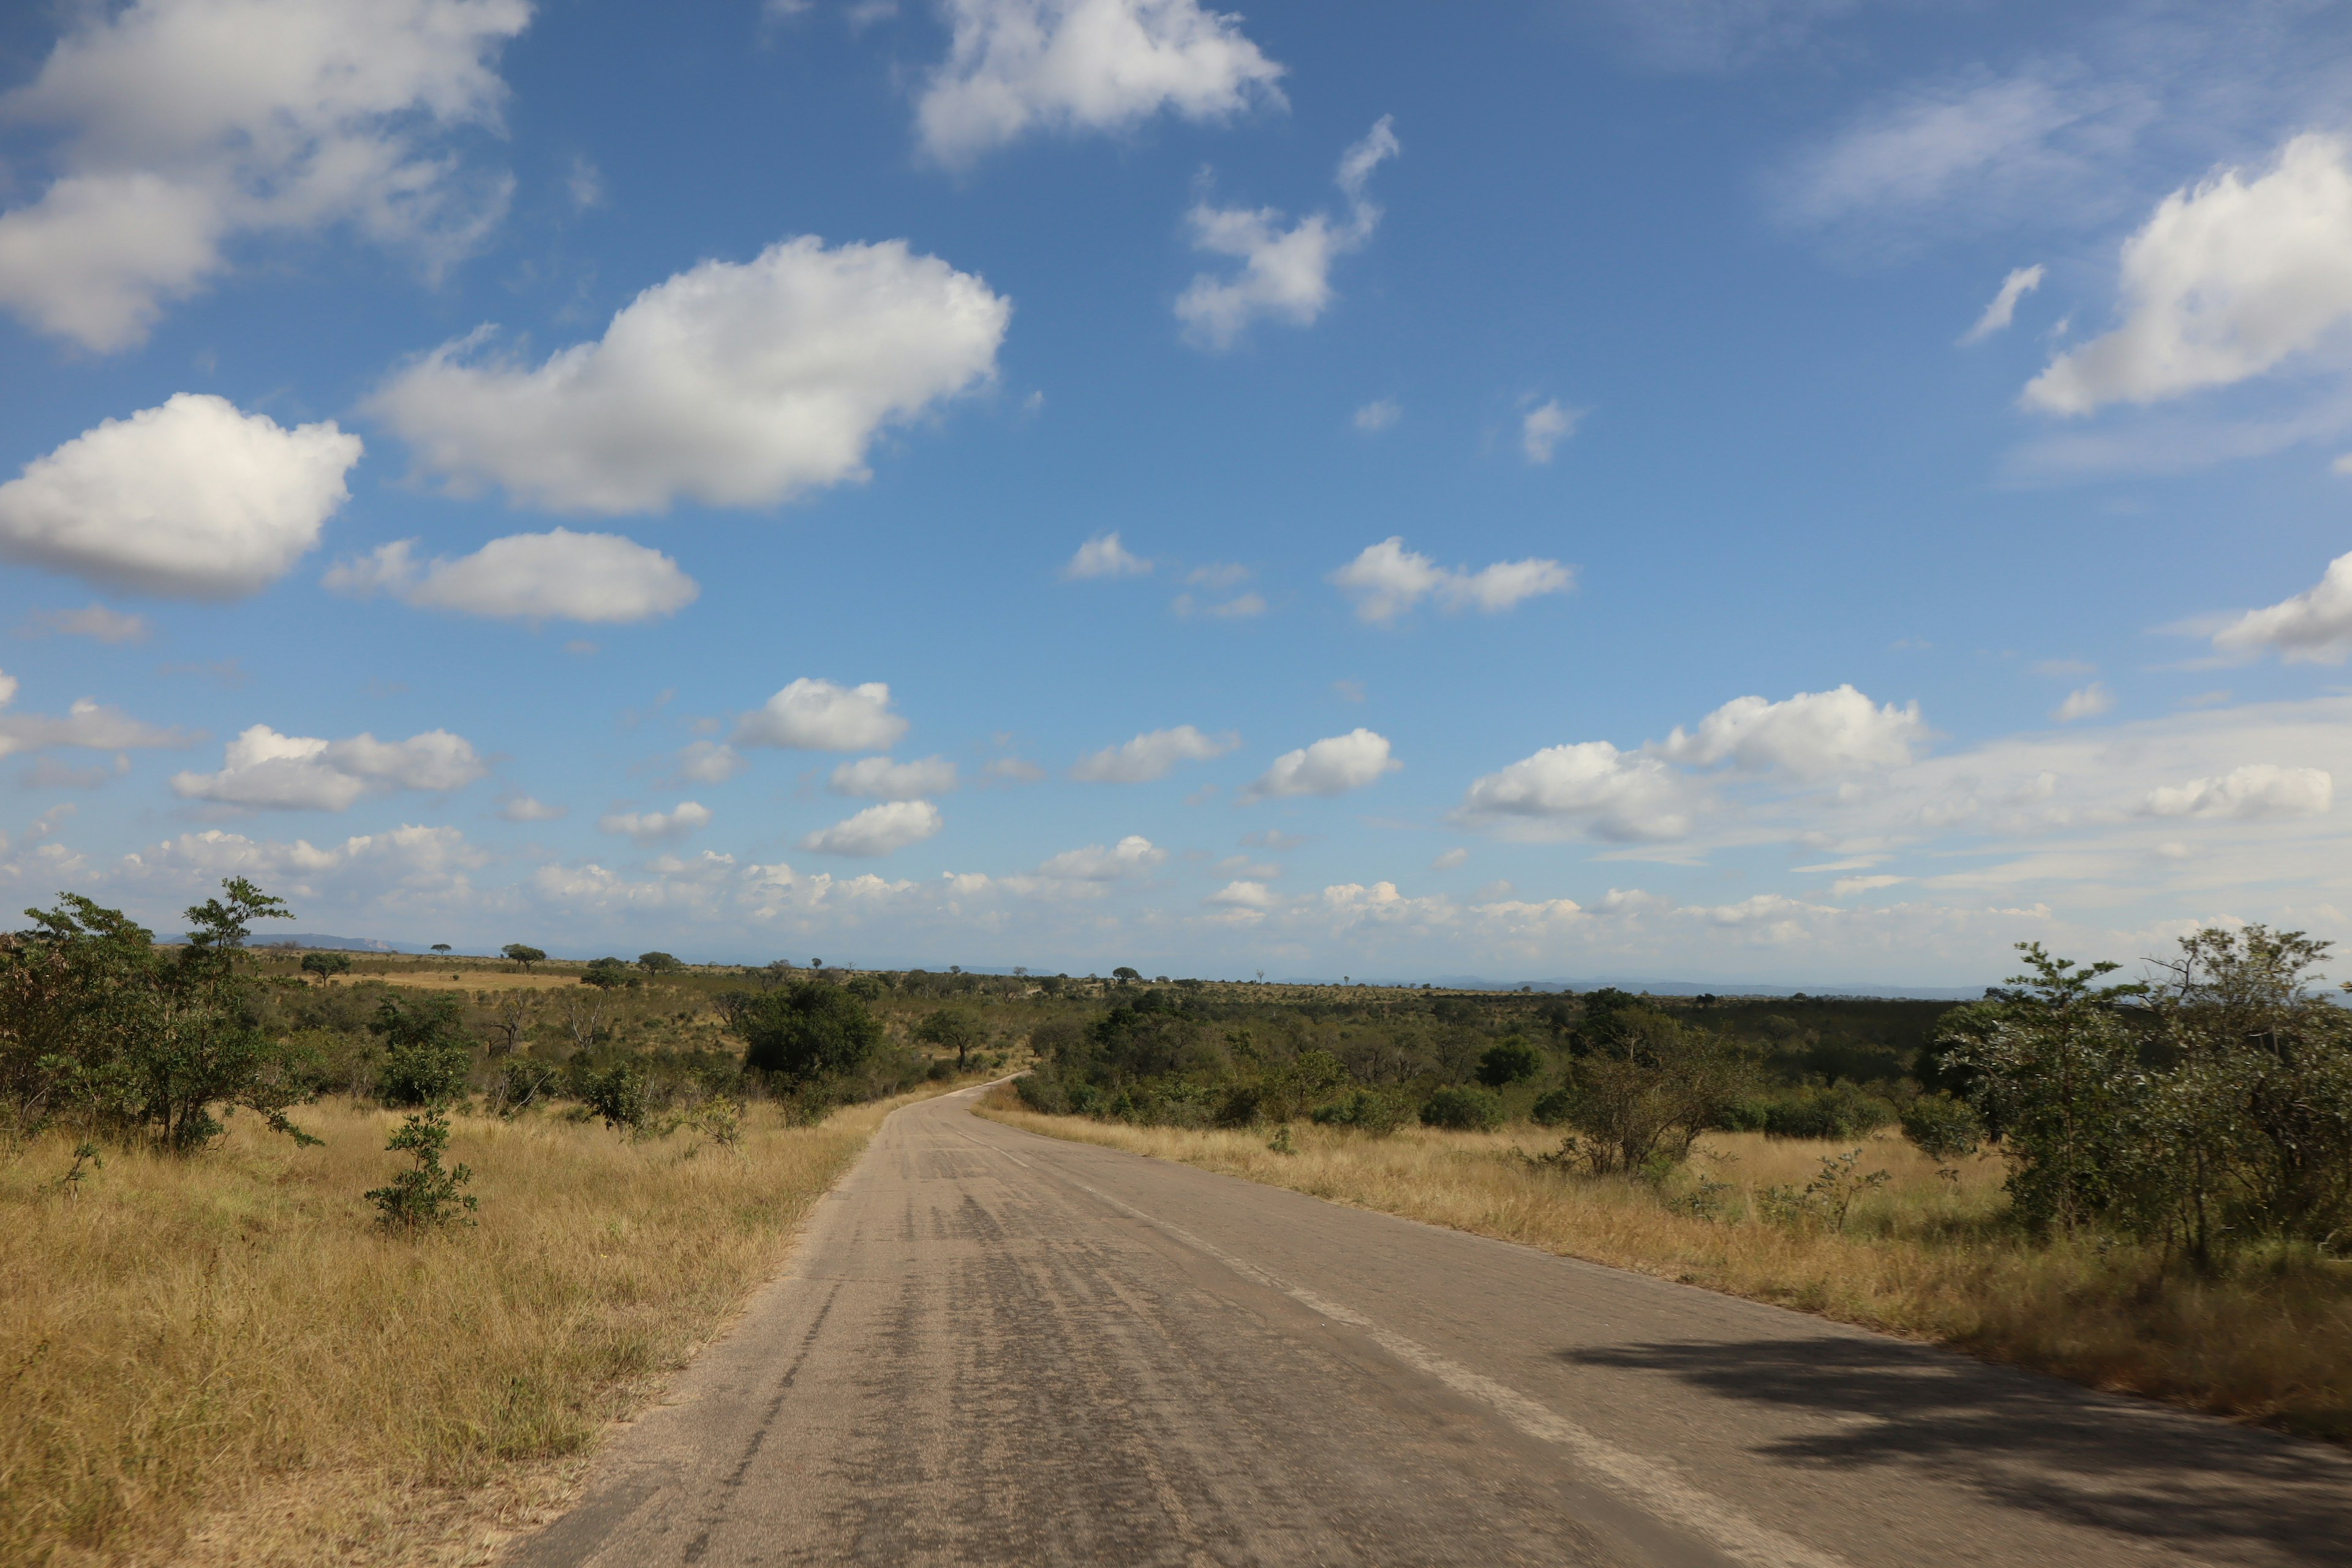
<point x="2315" y="626"/>
<point x="878" y="829"/>
<point x="1813" y="734"/>
<point x="1375" y="417"/>
<point x="1457" y="856"/>
<point x="1243" y="896"/>
<point x="709" y="761"/>
<point x="86" y="726"/>
<point x="2089" y="702"/>
<point x="1998" y="315"/>
<point x="1330" y="766"/>
<point x="187" y="122"/>
<point x="96" y="622"/>
<point x="524" y="808"/>
<point x="1386" y="580"/>
<point x="818" y="716"/>
<point x="193" y="499"/>
<point x="1543" y="428"/>
<point x="1846" y="887"/>
<point x="2248" y="794"/>
<point x="1285" y="273"/>
<point x="879" y="778"/>
<point x="1152" y="755"/>
<point x="1016" y="65"/>
<point x="1272" y="839"/>
<point x="1104" y="556"/>
<point x="293" y="773"/>
<point x="1590" y="785"/>
<point x="1133" y="855"/>
<point x="1012" y="770"/>
<point x="2226" y="281"/>
<point x="556" y="576"/>
<point x="731" y="384"/>
<point x="658" y="826"/>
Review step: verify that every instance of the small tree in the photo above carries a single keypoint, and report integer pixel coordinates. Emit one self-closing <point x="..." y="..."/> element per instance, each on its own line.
<point x="607" y="974"/>
<point x="325" y="966"/>
<point x="950" y="1029"/>
<point x="524" y="955"/>
<point x="424" y="1196"/>
<point x="441" y="947"/>
<point x="1509" y="1061"/>
<point x="616" y="1093"/>
<point x="808" y="1031"/>
<point x="427" y="1053"/>
<point x="1126" y="976"/>
<point x="658" y="964"/>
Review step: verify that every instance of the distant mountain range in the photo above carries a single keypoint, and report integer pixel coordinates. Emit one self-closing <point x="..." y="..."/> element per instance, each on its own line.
<point x="334" y="943"/>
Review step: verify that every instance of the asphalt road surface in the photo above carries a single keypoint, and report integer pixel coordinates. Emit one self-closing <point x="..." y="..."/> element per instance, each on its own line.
<point x="997" y="1348"/>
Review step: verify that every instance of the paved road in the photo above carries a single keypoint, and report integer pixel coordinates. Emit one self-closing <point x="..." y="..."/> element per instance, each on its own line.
<point x="997" y="1348"/>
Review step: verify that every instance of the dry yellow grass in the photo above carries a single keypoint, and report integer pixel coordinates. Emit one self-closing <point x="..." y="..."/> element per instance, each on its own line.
<point x="221" y="1359"/>
<point x="1924" y="1256"/>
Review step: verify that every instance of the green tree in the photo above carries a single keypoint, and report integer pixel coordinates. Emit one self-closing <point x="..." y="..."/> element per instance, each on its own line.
<point x="425" y="1196"/>
<point x="950" y="1029"/>
<point x="427" y="1053"/>
<point x="326" y="964"/>
<point x="1125" y="975"/>
<point x="658" y="964"/>
<point x="1508" y="1061"/>
<point x="1646" y="1087"/>
<point x="524" y="955"/>
<point x="808" y="1031"/>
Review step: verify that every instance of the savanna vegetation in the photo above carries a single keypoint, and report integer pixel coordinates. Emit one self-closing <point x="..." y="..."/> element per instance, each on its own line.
<point x="332" y="1257"/>
<point x="2147" y="1186"/>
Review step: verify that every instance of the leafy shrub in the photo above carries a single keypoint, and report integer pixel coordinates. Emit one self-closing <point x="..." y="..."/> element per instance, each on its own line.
<point x="1365" y="1110"/>
<point x="616" y="1093"/>
<point x="425" y="1196"/>
<point x="1463" y="1107"/>
<point x="1942" y="1127"/>
<point x="1508" y="1062"/>
<point x="427" y="1054"/>
<point x="1840" y="1111"/>
<point x="807" y="1031"/>
<point x="1554" y="1107"/>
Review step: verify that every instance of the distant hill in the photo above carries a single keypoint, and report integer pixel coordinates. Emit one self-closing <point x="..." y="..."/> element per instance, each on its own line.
<point x="1718" y="988"/>
<point x="334" y="943"/>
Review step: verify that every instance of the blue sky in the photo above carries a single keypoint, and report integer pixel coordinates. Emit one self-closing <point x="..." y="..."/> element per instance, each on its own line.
<point x="1811" y="492"/>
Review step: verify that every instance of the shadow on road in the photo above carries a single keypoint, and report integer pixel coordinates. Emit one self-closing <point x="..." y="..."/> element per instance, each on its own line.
<point x="2028" y="1442"/>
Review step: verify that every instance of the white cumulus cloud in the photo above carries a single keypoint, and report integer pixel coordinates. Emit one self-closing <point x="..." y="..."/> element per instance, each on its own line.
<point x="2227" y="279"/>
<point x="819" y="716"/>
<point x="186" y="123"/>
<point x="525" y="808"/>
<point x="709" y="761"/>
<point x="556" y="576"/>
<point x="1152" y="755"/>
<point x="1104" y="556"/>
<point x="1813" y="734"/>
<point x="878" y="829"/>
<point x="294" y="773"/>
<point x="1333" y="765"/>
<point x="2314" y="626"/>
<point x="1133" y="855"/>
<point x="1543" y="428"/>
<point x="1285" y="273"/>
<point x="1590" y="785"/>
<point x="2247" y="794"/>
<point x="2089" y="702"/>
<point x="731" y="384"/>
<point x="658" y="826"/>
<point x="1998" y="315"/>
<point x="193" y="500"/>
<point x="1385" y="580"/>
<point x="87" y="725"/>
<point x="1374" y="417"/>
<point x="1015" y="65"/>
<point x="879" y="778"/>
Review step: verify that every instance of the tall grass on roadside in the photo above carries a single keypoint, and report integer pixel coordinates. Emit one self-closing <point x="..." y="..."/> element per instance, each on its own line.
<point x="224" y="1358"/>
<point x="1927" y="1254"/>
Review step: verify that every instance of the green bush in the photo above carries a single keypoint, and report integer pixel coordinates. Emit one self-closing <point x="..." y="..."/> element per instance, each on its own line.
<point x="1508" y="1062"/>
<point x="807" y="1031"/>
<point x="1365" y="1110"/>
<point x="616" y="1093"/>
<point x="425" y="1196"/>
<point x="1839" y="1111"/>
<point x="1463" y="1107"/>
<point x="1943" y="1128"/>
<point x="427" y="1053"/>
<point x="1554" y="1107"/>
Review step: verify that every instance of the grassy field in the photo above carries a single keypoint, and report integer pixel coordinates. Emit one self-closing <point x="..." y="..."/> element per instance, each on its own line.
<point x="221" y="1360"/>
<point x="1925" y="1255"/>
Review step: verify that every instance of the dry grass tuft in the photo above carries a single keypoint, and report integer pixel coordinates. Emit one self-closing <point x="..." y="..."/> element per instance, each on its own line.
<point x="222" y="1360"/>
<point x="1925" y="1255"/>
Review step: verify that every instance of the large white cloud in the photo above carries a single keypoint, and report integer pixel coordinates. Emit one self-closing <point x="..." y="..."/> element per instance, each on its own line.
<point x="2314" y="626"/>
<point x="1285" y="273"/>
<point x="879" y="778"/>
<point x="1152" y="755"/>
<point x="1333" y="765"/>
<point x="1814" y="734"/>
<point x="818" y="716"/>
<point x="1133" y="855"/>
<point x="2226" y="281"/>
<point x="186" y="121"/>
<point x="194" y="498"/>
<point x="1589" y="786"/>
<point x="1385" y="580"/>
<point x="2248" y="794"/>
<point x="555" y="575"/>
<point x="658" y="826"/>
<point x="1084" y="65"/>
<point x="732" y="384"/>
<point x="294" y="773"/>
<point x="878" y="829"/>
